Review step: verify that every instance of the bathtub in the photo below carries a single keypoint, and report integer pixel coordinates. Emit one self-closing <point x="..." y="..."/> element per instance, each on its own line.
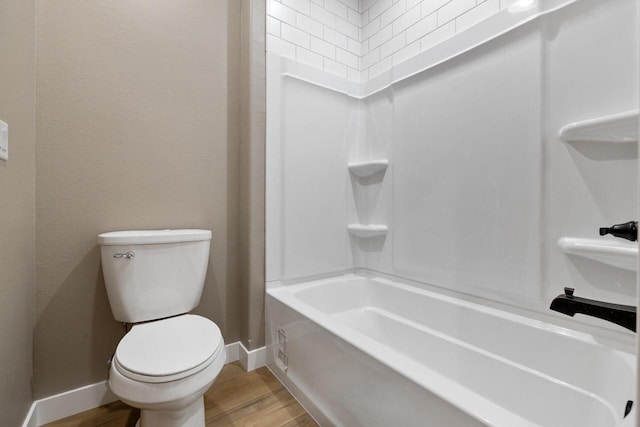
<point x="370" y="351"/>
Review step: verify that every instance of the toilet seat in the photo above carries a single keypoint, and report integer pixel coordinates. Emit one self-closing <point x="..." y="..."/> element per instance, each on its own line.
<point x="168" y="350"/>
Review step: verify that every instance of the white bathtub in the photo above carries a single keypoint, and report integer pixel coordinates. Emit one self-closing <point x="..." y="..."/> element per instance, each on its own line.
<point x="372" y="352"/>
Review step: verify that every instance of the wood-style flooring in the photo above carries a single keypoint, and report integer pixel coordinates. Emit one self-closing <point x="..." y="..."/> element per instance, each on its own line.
<point x="237" y="398"/>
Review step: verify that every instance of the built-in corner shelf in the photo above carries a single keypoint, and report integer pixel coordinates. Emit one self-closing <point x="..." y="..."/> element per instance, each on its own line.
<point x="371" y="230"/>
<point x="612" y="252"/>
<point x="365" y="169"/>
<point x="619" y="127"/>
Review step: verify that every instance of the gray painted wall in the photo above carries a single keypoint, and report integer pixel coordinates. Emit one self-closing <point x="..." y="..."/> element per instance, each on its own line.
<point x="149" y="115"/>
<point x="138" y="127"/>
<point x="17" y="208"/>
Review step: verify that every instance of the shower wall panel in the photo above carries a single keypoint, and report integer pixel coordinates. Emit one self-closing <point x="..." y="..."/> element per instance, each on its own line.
<point x="308" y="200"/>
<point x="468" y="168"/>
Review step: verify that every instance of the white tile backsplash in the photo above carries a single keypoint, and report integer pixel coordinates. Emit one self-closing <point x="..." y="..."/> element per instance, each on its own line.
<point x="380" y="37"/>
<point x="302" y="6"/>
<point x="354" y="47"/>
<point x="336" y="68"/>
<point x="370" y="29"/>
<point x="370" y="59"/>
<point x="294" y="35"/>
<point x="335" y="38"/>
<point x="422" y="28"/>
<point x="337" y="8"/>
<point x="378" y="7"/>
<point x="310" y="58"/>
<point x="348" y="29"/>
<point x="273" y="26"/>
<point x="409" y="51"/>
<point x="360" y="39"/>
<point x="322" y="15"/>
<point x="282" y="12"/>
<point x="428" y="7"/>
<point x="366" y="4"/>
<point x="276" y="44"/>
<point x="453" y="9"/>
<point x="308" y="25"/>
<point x="353" y="4"/>
<point x="323" y="48"/>
<point x="347" y="58"/>
<point x="380" y="67"/>
<point x="392" y="46"/>
<point x="354" y="17"/>
<point x="477" y="14"/>
<point x="438" y="36"/>
<point x="393" y="13"/>
<point x="407" y="19"/>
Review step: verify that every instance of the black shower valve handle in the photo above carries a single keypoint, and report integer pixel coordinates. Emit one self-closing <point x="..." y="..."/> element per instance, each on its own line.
<point x="627" y="230"/>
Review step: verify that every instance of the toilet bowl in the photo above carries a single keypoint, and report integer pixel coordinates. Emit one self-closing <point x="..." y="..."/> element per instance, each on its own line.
<point x="169" y="358"/>
<point x="164" y="368"/>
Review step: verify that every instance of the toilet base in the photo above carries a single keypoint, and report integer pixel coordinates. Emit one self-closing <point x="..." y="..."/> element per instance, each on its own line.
<point x="191" y="416"/>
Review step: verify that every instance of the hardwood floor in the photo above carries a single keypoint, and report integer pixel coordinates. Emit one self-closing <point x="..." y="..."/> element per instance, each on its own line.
<point x="237" y="398"/>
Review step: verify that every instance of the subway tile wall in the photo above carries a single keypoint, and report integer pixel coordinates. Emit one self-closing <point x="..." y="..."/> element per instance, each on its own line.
<point x="359" y="39"/>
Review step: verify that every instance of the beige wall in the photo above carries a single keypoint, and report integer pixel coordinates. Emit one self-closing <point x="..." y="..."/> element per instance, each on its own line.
<point x="252" y="172"/>
<point x="138" y="126"/>
<point x="142" y="109"/>
<point x="17" y="204"/>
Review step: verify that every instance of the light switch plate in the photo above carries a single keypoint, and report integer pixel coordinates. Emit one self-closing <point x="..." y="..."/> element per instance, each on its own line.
<point x="4" y="141"/>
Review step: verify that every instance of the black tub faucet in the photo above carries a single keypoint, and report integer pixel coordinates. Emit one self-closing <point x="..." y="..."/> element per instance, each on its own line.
<point x="623" y="315"/>
<point x="628" y="230"/>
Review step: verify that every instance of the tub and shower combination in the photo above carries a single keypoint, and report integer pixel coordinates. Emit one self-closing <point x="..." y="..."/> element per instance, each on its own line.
<point x="421" y="220"/>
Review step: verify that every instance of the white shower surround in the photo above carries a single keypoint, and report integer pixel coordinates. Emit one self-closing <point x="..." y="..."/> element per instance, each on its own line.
<point x="437" y="111"/>
<point x="478" y="190"/>
<point x="360" y="39"/>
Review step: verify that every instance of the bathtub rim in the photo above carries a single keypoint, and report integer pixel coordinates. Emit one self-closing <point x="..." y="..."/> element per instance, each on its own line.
<point x="576" y="327"/>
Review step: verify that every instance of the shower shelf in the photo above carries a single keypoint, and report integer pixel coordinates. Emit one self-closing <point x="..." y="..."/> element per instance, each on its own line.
<point x="618" y="254"/>
<point x="371" y="230"/>
<point x="365" y="169"/>
<point x="619" y="127"/>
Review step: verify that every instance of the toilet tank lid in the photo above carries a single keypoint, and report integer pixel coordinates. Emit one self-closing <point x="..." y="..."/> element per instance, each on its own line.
<point x="150" y="237"/>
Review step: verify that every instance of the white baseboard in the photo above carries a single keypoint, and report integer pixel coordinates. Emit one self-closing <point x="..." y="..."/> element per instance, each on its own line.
<point x="254" y="359"/>
<point x="31" y="419"/>
<point x="249" y="359"/>
<point x="70" y="402"/>
<point x="233" y="352"/>
<point x="82" y="399"/>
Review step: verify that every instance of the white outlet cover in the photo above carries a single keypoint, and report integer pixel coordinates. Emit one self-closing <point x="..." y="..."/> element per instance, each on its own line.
<point x="4" y="141"/>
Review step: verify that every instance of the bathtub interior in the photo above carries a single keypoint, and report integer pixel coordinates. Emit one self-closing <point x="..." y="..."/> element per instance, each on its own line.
<point x="340" y="385"/>
<point x="477" y="190"/>
<point x="444" y="343"/>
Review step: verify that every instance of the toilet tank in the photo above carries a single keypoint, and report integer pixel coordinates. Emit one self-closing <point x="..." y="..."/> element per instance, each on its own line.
<point x="152" y="274"/>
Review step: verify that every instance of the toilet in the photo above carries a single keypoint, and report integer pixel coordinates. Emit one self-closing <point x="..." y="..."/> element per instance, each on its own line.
<point x="169" y="358"/>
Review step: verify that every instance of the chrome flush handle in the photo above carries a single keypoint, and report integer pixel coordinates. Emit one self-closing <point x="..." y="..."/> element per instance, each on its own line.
<point x="128" y="255"/>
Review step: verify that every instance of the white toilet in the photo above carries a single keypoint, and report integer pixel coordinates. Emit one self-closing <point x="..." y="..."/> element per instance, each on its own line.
<point x="169" y="358"/>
